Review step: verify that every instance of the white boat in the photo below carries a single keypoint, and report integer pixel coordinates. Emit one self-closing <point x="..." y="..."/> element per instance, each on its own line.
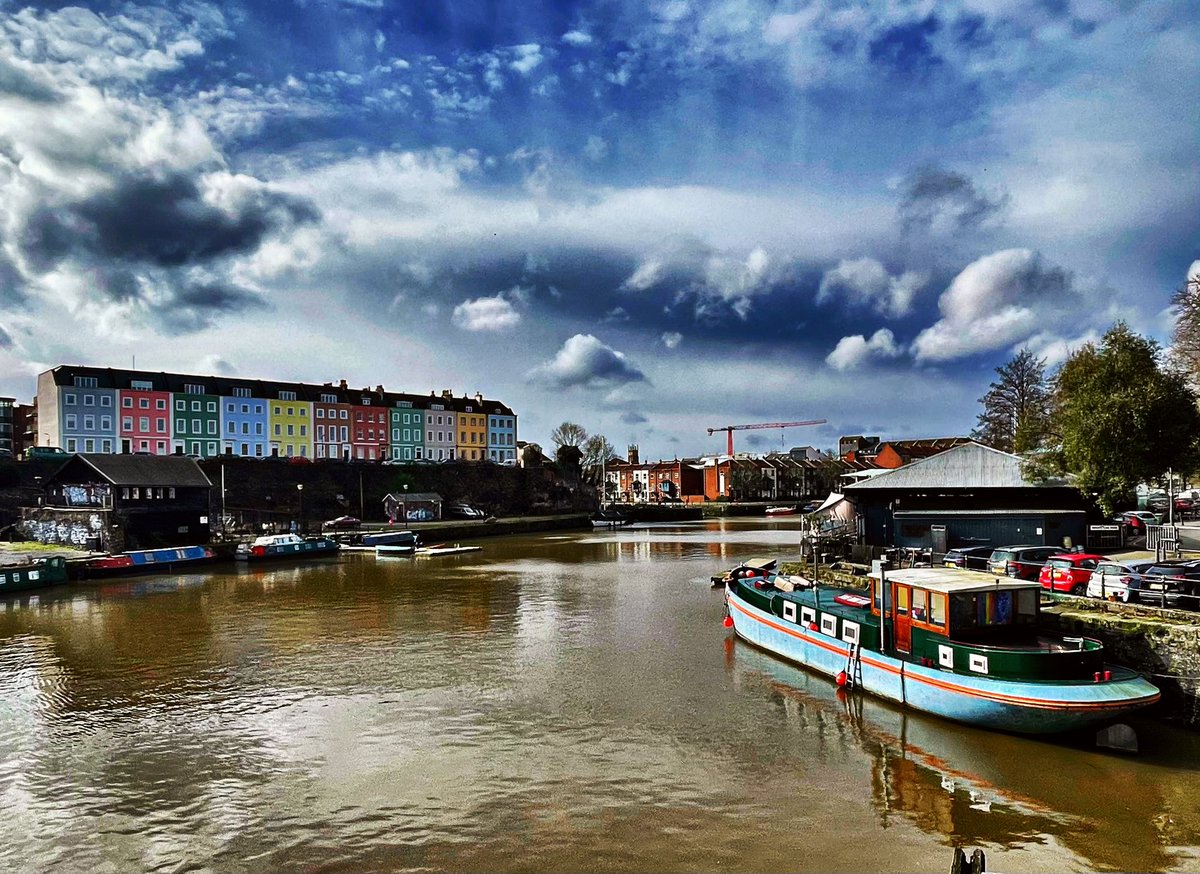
<point x="443" y="549"/>
<point x="395" y="549"/>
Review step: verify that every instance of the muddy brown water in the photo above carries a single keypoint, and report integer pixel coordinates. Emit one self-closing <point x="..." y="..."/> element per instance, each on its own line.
<point x="567" y="702"/>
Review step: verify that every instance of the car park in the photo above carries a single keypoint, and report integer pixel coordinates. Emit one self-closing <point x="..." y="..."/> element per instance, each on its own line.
<point x="1020" y="562"/>
<point x="973" y="558"/>
<point x="1117" y="579"/>
<point x="1137" y="519"/>
<point x="344" y="522"/>
<point x="1069" y="572"/>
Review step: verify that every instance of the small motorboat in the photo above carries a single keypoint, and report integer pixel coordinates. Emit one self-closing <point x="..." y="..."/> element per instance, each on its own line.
<point x="390" y="549"/>
<point x="281" y="546"/>
<point x="782" y="511"/>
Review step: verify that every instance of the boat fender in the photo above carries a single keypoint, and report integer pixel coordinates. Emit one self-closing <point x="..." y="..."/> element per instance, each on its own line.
<point x="728" y="623"/>
<point x="812" y="626"/>
<point x="841" y="679"/>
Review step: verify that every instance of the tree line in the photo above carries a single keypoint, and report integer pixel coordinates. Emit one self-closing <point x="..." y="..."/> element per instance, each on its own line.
<point x="1117" y="412"/>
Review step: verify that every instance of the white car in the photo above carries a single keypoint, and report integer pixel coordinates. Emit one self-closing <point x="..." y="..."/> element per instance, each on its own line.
<point x="1117" y="579"/>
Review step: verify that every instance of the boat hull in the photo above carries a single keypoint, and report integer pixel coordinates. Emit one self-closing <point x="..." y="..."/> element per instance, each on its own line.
<point x="291" y="551"/>
<point x="150" y="561"/>
<point x="1003" y="705"/>
<point x="390" y="538"/>
<point x="39" y="575"/>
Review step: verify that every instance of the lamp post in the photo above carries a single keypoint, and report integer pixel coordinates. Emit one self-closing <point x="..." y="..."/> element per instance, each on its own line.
<point x="300" y="493"/>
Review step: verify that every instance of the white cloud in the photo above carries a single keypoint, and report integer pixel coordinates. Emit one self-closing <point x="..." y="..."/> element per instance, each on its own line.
<point x="1055" y="349"/>
<point x="711" y="279"/>
<point x="577" y="38"/>
<point x="671" y="339"/>
<point x="856" y="350"/>
<point x="864" y="281"/>
<point x="997" y="301"/>
<point x="486" y="314"/>
<point x="527" y="57"/>
<point x="585" y="361"/>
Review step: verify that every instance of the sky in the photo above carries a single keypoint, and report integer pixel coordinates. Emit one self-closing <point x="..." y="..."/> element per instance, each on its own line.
<point x="649" y="218"/>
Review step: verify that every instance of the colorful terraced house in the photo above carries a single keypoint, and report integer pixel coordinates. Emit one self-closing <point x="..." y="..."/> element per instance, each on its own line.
<point x="93" y="409"/>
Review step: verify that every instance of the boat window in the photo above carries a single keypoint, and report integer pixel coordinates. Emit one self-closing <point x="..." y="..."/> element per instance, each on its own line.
<point x="963" y="612"/>
<point x="937" y="609"/>
<point x="919" y="611"/>
<point x="902" y="600"/>
<point x="876" y="592"/>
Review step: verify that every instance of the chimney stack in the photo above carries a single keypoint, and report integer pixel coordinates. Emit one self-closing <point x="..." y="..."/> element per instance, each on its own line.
<point x="342" y="385"/>
<point x="633" y="453"/>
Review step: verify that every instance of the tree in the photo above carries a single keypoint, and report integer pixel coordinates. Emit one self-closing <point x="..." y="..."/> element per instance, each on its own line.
<point x="596" y="454"/>
<point x="1016" y="408"/>
<point x="568" y="434"/>
<point x="1124" y="419"/>
<point x="1185" y="339"/>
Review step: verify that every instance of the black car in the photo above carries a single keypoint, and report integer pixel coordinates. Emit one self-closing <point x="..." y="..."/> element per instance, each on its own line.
<point x="1174" y="584"/>
<point x="973" y="558"/>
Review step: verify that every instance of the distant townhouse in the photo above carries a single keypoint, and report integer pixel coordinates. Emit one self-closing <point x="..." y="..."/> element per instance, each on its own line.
<point x="7" y="427"/>
<point x="107" y="410"/>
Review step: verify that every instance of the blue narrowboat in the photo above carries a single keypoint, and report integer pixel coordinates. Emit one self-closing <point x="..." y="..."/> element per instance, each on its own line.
<point x="285" y="546"/>
<point x="171" y="559"/>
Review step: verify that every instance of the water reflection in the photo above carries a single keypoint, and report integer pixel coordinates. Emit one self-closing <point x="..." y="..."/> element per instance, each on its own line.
<point x="564" y="703"/>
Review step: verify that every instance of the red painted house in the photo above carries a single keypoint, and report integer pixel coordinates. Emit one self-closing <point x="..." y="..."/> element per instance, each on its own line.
<point x="144" y="419"/>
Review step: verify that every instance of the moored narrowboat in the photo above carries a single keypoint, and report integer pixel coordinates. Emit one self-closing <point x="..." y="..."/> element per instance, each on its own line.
<point x="949" y="642"/>
<point x="50" y="571"/>
<point x="285" y="546"/>
<point x="149" y="561"/>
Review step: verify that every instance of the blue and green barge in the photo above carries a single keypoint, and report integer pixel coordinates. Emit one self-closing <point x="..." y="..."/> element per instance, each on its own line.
<point x="958" y="644"/>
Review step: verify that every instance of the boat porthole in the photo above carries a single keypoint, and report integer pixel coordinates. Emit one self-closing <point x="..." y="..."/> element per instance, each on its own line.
<point x="945" y="657"/>
<point x="808" y="616"/>
<point x="849" y="631"/>
<point x="789" y="611"/>
<point x="979" y="663"/>
<point x="829" y="624"/>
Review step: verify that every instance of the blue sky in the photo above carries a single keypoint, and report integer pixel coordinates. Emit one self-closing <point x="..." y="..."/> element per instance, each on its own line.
<point x="650" y="218"/>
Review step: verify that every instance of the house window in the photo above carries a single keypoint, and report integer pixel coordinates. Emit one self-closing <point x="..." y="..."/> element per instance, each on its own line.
<point x="89" y="445"/>
<point x="89" y="400"/>
<point x="127" y="402"/>
<point x="196" y="406"/>
<point x="229" y="408"/>
<point x="212" y="426"/>
<point x="291" y="411"/>
<point x="85" y="381"/>
<point x="278" y="431"/>
<point x="303" y="430"/>
<point x="345" y="414"/>
<point x="212" y="406"/>
<point x="241" y="392"/>
<point x="105" y="400"/>
<point x="144" y="403"/>
<point x="329" y="399"/>
<point x="258" y="428"/>
<point x="71" y="421"/>
<point x="89" y="423"/>
<point x="141" y="385"/>
<point x="291" y="430"/>
<point x="143" y="423"/>
<point x="106" y="446"/>
<point x="180" y="405"/>
<point x="287" y="395"/>
<point x="181" y="426"/>
<point x="69" y="399"/>
<point x="320" y="412"/>
<point x="106" y="423"/>
<point x="127" y="423"/>
<point x="193" y="389"/>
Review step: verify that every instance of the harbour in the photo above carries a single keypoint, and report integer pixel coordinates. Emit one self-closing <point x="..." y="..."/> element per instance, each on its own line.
<point x="563" y="700"/>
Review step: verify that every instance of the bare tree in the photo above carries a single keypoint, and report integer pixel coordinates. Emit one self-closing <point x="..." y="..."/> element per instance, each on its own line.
<point x="1185" y="339"/>
<point x="569" y="434"/>
<point x="597" y="452"/>
<point x="1016" y="408"/>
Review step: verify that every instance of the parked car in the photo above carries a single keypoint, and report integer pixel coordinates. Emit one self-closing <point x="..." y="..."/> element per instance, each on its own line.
<point x="34" y="452"/>
<point x="299" y="459"/>
<point x="463" y="511"/>
<point x="1183" y="504"/>
<point x="1172" y="584"/>
<point x="1069" y="572"/>
<point x="973" y="558"/>
<point x="1020" y="562"/>
<point x="1137" y="519"/>
<point x="344" y="522"/>
<point x="1117" y="579"/>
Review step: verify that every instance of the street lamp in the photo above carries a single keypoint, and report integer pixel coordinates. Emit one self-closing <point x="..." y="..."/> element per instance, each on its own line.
<point x="300" y="492"/>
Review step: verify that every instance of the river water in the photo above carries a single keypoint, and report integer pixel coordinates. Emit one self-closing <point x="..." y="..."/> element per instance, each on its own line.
<point x="562" y="702"/>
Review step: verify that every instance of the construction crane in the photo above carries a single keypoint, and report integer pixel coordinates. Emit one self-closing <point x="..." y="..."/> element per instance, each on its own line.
<point x="729" y="429"/>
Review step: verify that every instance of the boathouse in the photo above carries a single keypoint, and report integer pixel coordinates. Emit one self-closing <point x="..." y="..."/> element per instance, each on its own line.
<point x="120" y="502"/>
<point x="970" y="495"/>
<point x="415" y="507"/>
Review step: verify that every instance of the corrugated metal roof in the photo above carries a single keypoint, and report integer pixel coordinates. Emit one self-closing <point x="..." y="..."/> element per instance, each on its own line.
<point x="969" y="466"/>
<point x="147" y="470"/>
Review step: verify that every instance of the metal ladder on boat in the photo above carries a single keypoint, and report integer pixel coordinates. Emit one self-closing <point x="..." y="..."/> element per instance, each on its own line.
<point x="854" y="667"/>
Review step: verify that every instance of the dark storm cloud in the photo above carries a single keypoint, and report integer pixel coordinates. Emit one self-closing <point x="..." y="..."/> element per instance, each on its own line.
<point x="161" y="221"/>
<point x="194" y="306"/>
<point x="933" y="198"/>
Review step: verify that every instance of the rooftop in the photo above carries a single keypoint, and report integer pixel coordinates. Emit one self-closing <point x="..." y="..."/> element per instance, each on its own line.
<point x="954" y="580"/>
<point x="968" y="466"/>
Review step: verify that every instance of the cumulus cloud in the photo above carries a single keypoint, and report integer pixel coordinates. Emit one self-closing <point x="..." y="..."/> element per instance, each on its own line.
<point x="527" y="57"/>
<point x="864" y="281"/>
<point x="577" y="38"/>
<point x="714" y="281"/>
<point x="997" y="301"/>
<point x="671" y="339"/>
<point x="944" y="202"/>
<point x="587" y="362"/>
<point x="856" y="350"/>
<point x="486" y="314"/>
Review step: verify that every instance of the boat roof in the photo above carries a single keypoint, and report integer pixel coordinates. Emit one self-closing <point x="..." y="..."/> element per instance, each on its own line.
<point x="759" y="563"/>
<point x="955" y="580"/>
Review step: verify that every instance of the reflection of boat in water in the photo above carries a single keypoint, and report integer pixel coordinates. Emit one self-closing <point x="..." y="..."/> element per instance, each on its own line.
<point x="1000" y="791"/>
<point x="609" y="519"/>
<point x="953" y="643"/>
<point x="445" y="549"/>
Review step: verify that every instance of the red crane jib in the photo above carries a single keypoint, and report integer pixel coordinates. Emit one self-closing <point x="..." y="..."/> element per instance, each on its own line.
<point x="729" y="429"/>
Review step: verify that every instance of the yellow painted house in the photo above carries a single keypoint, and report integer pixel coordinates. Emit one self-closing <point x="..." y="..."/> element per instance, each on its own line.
<point x="470" y="438"/>
<point x="290" y="425"/>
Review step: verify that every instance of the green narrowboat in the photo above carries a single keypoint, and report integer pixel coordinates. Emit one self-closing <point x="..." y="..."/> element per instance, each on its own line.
<point x="51" y="571"/>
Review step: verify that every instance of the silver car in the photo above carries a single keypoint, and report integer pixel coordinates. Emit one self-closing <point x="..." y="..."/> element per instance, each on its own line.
<point x="1117" y="579"/>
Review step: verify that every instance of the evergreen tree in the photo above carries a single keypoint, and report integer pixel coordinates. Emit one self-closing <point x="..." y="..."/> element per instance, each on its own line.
<point x="1124" y="418"/>
<point x="1016" y="408"/>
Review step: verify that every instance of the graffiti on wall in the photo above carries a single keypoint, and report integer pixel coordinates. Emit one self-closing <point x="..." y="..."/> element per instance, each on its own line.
<point x="85" y="496"/>
<point x="72" y="532"/>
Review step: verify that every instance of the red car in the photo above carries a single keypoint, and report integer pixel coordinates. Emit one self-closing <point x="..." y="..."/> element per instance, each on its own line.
<point x="1069" y="572"/>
